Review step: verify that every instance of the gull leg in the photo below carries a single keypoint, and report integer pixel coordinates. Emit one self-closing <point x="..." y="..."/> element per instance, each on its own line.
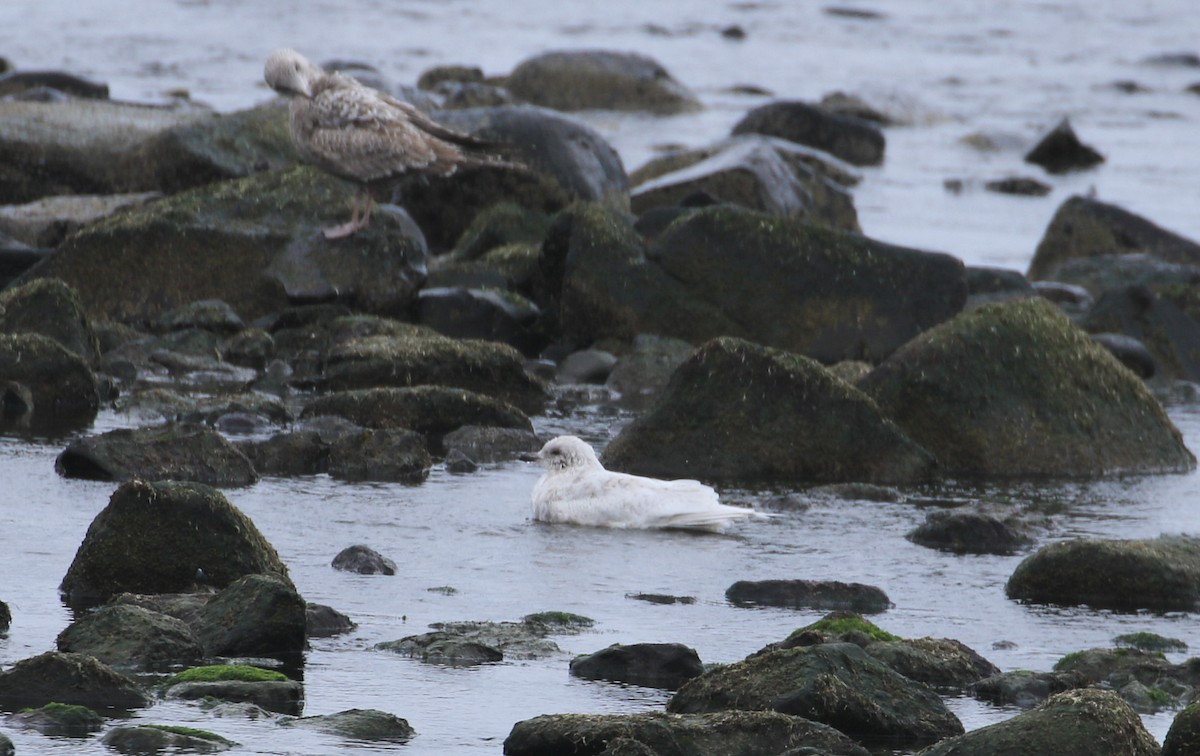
<point x="353" y="225"/>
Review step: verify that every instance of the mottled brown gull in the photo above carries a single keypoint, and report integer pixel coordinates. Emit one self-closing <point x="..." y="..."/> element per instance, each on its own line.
<point x="362" y="134"/>
<point x="576" y="489"/>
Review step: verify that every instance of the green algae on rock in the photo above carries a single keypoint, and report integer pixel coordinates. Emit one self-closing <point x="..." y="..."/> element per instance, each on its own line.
<point x="1016" y="390"/>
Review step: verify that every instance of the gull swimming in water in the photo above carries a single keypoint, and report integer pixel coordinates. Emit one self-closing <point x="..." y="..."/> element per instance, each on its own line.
<point x="361" y="134"/>
<point x="576" y="489"/>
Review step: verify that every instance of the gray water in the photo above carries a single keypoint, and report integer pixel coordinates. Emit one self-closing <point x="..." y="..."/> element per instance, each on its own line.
<point x="1009" y="69"/>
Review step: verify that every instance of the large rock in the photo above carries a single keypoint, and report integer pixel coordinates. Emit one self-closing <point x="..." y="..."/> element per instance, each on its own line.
<point x="357" y="724"/>
<point x="383" y="454"/>
<point x="1013" y="390"/>
<point x="654" y="665"/>
<point x="1060" y="151"/>
<point x="154" y="537"/>
<point x="739" y="411"/>
<point x="1171" y="337"/>
<point x="834" y="683"/>
<point x="944" y="663"/>
<point x="967" y="530"/>
<point x="848" y="138"/>
<point x="599" y="80"/>
<point x="46" y="222"/>
<point x="127" y="636"/>
<point x="176" y="451"/>
<point x="1025" y="688"/>
<point x="148" y="739"/>
<point x="256" y="615"/>
<point x="1183" y="739"/>
<point x="724" y="733"/>
<point x="1084" y="227"/>
<point x="56" y="677"/>
<point x="50" y="308"/>
<point x="1075" y="723"/>
<point x="1161" y="574"/>
<point x="43" y="385"/>
<point x="253" y="242"/>
<point x="753" y="173"/>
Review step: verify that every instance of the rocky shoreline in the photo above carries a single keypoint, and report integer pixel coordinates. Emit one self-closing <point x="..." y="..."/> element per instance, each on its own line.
<point x="167" y="263"/>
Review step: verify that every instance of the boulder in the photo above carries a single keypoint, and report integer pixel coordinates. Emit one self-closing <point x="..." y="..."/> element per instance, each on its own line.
<point x="56" y="677"/>
<point x="1016" y="390"/>
<point x="943" y="663"/>
<point x="753" y="173"/>
<point x="324" y="621"/>
<point x="653" y="665"/>
<point x="176" y="451"/>
<point x="288" y="454"/>
<point x="500" y="225"/>
<point x="13" y="84"/>
<point x="586" y="366"/>
<point x="253" y="242"/>
<point x="1166" y="333"/>
<point x="50" y="308"/>
<point x="834" y="683"/>
<point x="599" y="80"/>
<point x="44" y="386"/>
<point x="1075" y="723"/>
<point x="5" y="618"/>
<point x="463" y="312"/>
<point x="130" y="637"/>
<point x="967" y="530"/>
<point x="384" y="454"/>
<point x="364" y="560"/>
<point x="486" y="444"/>
<point x="153" y="739"/>
<point x="281" y="696"/>
<point x="644" y="371"/>
<point x="845" y="137"/>
<point x="256" y="615"/>
<point x="46" y="222"/>
<point x="714" y="734"/>
<point x="1131" y="352"/>
<point x="357" y="724"/>
<point x="1183" y="739"/>
<point x="1025" y="688"/>
<point x="1119" y="271"/>
<point x="809" y="594"/>
<point x="1084" y="227"/>
<point x="738" y="411"/>
<point x="213" y="315"/>
<point x="1060" y="151"/>
<point x="987" y="285"/>
<point x="57" y="719"/>
<point x="154" y="537"/>
<point x="1162" y="574"/>
<point x="445" y="648"/>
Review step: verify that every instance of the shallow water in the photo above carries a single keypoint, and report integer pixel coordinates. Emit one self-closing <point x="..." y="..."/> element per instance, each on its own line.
<point x="1005" y="68"/>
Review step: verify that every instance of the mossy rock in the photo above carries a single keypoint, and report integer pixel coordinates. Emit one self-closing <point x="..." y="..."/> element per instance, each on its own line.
<point x="140" y="739"/>
<point x="176" y="451"/>
<point x="1183" y="739"/>
<point x="809" y="594"/>
<point x="124" y="635"/>
<point x="1016" y="390"/>
<point x="599" y="80"/>
<point x="739" y="411"/>
<point x="1161" y="574"/>
<point x="256" y="615"/>
<point x="70" y="720"/>
<point x="383" y="454"/>
<point x="944" y="663"/>
<point x="1024" y="687"/>
<point x="44" y="386"/>
<point x="51" y="308"/>
<point x="72" y="679"/>
<point x="840" y="623"/>
<point x="357" y="724"/>
<point x="224" y="672"/>
<point x="281" y="696"/>
<point x="153" y="537"/>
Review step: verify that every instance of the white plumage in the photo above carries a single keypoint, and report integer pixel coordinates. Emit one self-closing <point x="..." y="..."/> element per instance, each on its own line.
<point x="576" y="489"/>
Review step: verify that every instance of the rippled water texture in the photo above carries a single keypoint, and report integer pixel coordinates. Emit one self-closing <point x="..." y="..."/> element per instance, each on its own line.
<point x="1009" y="69"/>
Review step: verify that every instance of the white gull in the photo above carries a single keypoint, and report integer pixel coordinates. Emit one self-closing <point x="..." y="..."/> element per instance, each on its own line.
<point x="576" y="489"/>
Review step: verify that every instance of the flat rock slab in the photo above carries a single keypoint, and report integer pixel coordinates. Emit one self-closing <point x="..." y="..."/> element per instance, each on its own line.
<point x="809" y="594"/>
<point x="180" y="451"/>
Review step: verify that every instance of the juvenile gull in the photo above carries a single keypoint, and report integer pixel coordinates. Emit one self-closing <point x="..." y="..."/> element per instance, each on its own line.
<point x="576" y="489"/>
<point x="362" y="134"/>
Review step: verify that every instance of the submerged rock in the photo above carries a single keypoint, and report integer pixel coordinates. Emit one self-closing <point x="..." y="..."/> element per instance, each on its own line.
<point x="357" y="724"/>
<point x="850" y="139"/>
<point x="1016" y="390"/>
<point x="653" y="665"/>
<point x="599" y="80"/>
<point x="177" y="451"/>
<point x="364" y="560"/>
<point x="970" y="531"/>
<point x="127" y="636"/>
<point x="79" y="679"/>
<point x="809" y="594"/>
<point x="267" y="689"/>
<point x="713" y="734"/>
<point x="1161" y="574"/>
<point x="1075" y="723"/>
<point x="148" y="739"/>
<point x="324" y="621"/>
<point x="153" y="537"/>
<point x="1025" y="688"/>
<point x="57" y="719"/>
<point x="738" y="411"/>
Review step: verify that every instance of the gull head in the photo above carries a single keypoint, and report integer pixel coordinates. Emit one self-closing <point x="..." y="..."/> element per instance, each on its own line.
<point x="290" y="73"/>
<point x="566" y="452"/>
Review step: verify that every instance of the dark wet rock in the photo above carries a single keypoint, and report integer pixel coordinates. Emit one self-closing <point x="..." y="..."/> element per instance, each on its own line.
<point x="17" y="257"/>
<point x="431" y="77"/>
<point x="50" y="308"/>
<point x="281" y="696"/>
<point x="987" y="285"/>
<point x="1084" y="227"/>
<point x="46" y="222"/>
<point x="81" y="146"/>
<point x="17" y="82"/>
<point x="970" y="531"/>
<point x="1144" y="641"/>
<point x="1060" y="151"/>
<point x="510" y="267"/>
<point x="644" y="371"/>
<point x="422" y="358"/>
<point x="252" y="348"/>
<point x="586" y="366"/>
<point x="661" y="598"/>
<point x="383" y="454"/>
<point x="207" y="314"/>
<point x="177" y="451"/>
<point x="1074" y="723"/>
<point x="288" y="454"/>
<point x="580" y="162"/>
<point x="1132" y="353"/>
<point x="836" y="627"/>
<point x="256" y="615"/>
<point x="1161" y="574"/>
<point x="253" y="242"/>
<point x="469" y="313"/>
<point x="364" y="560"/>
<point x="5" y="618"/>
<point x="943" y="663"/>
<point x="153" y="537"/>
<point x="853" y="140"/>
<point x="485" y="444"/>
<point x="43" y="385"/>
<point x="56" y="719"/>
<point x="755" y="174"/>
<point x="834" y="683"/>
<point x="1167" y="333"/>
<point x="444" y="648"/>
<point x="457" y="95"/>
<point x="1019" y="185"/>
<point x="130" y="637"/>
<point x="498" y="226"/>
<point x="1100" y="274"/>
<point x="713" y="734"/>
<point x="653" y="665"/>
<point x="324" y="621"/>
<point x="357" y="724"/>
<point x="153" y="739"/>
<point x="185" y="607"/>
<point x="844" y="104"/>
<point x="738" y="411"/>
<point x="1183" y="739"/>
<point x="466" y="643"/>
<point x="1044" y="399"/>
<point x="458" y="462"/>
<point x="858" y="492"/>
<point x="808" y="594"/>
<point x="599" y="80"/>
<point x="79" y="679"/>
<point x="1025" y="688"/>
